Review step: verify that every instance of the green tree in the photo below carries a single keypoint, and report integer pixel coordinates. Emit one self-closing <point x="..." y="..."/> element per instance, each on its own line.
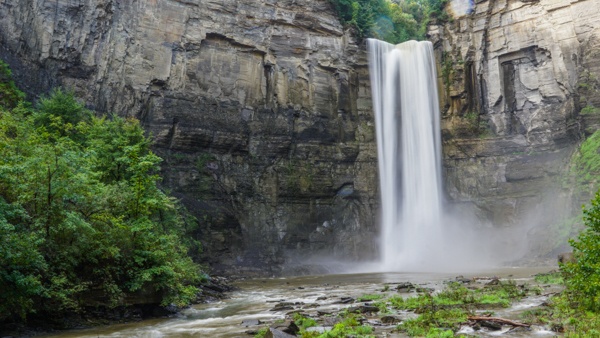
<point x="391" y="21"/>
<point x="81" y="213"/>
<point x="10" y="95"/>
<point x="21" y="263"/>
<point x="583" y="275"/>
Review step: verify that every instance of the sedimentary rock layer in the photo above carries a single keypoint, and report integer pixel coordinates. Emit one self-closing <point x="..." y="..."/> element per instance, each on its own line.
<point x="516" y="75"/>
<point x="260" y="109"/>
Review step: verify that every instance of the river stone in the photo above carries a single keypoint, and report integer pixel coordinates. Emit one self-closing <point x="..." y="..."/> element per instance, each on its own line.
<point x="345" y="300"/>
<point x="291" y="313"/>
<point x="283" y="306"/>
<point x="319" y="329"/>
<point x="490" y="325"/>
<point x="275" y="333"/>
<point x="494" y="281"/>
<point x="331" y="321"/>
<point x="389" y="320"/>
<point x="251" y="322"/>
<point x="287" y="327"/>
<point x="462" y="279"/>
<point x="363" y="309"/>
<point x="405" y="287"/>
<point x="425" y="289"/>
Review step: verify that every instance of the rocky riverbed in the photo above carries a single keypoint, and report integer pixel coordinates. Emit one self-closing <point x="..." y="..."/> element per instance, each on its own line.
<point x="261" y="305"/>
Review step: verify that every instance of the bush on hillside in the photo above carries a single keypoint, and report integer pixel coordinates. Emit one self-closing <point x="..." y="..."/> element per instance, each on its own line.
<point x="82" y="219"/>
<point x="582" y="277"/>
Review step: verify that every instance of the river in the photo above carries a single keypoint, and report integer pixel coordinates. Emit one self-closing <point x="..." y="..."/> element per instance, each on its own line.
<point x="255" y="298"/>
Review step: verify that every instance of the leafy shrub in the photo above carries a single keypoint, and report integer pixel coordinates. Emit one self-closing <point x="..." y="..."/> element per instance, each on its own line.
<point x="582" y="277"/>
<point x="81" y="214"/>
<point x="428" y="323"/>
<point x="304" y="322"/>
<point x="10" y="95"/>
<point x="586" y="163"/>
<point x="589" y="109"/>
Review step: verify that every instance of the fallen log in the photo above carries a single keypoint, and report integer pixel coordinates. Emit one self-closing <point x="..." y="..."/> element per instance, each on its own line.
<point x="498" y="320"/>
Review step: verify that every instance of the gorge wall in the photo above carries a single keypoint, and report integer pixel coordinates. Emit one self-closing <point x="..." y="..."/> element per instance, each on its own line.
<point x="260" y="109"/>
<point x="520" y="85"/>
<point x="262" y="112"/>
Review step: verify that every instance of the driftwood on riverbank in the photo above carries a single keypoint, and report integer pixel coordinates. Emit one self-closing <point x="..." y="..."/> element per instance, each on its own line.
<point x="497" y="320"/>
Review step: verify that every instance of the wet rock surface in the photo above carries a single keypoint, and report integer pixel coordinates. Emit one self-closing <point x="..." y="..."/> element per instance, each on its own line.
<point x="329" y="312"/>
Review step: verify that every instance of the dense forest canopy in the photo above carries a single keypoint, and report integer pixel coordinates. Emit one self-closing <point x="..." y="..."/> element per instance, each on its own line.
<point x="392" y="21"/>
<point x="81" y="213"/>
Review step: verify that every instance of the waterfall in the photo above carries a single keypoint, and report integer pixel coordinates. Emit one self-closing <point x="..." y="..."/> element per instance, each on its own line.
<point x="407" y="117"/>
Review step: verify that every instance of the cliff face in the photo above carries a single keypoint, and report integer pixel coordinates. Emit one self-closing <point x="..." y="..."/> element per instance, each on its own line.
<point x="520" y="85"/>
<point x="260" y="108"/>
<point x="262" y="112"/>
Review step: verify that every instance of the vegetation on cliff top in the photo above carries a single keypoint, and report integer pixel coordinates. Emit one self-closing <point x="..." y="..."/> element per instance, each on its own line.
<point x="82" y="220"/>
<point x="391" y="21"/>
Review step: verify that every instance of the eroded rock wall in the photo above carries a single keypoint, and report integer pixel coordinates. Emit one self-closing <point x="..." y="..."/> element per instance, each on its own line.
<point x="260" y="109"/>
<point x="515" y="77"/>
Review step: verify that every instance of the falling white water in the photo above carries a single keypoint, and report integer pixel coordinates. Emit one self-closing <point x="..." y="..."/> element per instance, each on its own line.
<point x="405" y="101"/>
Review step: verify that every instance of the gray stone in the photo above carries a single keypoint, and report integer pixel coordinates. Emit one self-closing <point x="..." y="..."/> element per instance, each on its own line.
<point x="288" y="328"/>
<point x="389" y="320"/>
<point x="405" y="287"/>
<point x="251" y="322"/>
<point x="319" y="329"/>
<point x="363" y="309"/>
<point x="275" y="333"/>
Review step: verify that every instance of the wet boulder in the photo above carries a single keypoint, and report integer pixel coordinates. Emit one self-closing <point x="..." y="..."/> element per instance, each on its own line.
<point x="490" y="325"/>
<point x="283" y="306"/>
<point x="345" y="300"/>
<point x="284" y="330"/>
<point x="363" y="309"/>
<point x="405" y="287"/>
<point x="251" y="322"/>
<point x="389" y="320"/>
<point x="274" y="333"/>
<point x="463" y="280"/>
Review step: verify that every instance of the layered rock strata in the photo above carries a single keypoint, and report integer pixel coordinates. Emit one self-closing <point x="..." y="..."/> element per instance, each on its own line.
<point x="520" y="83"/>
<point x="260" y="109"/>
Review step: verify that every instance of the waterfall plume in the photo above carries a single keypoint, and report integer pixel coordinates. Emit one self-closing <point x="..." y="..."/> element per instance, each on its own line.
<point x="407" y="116"/>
